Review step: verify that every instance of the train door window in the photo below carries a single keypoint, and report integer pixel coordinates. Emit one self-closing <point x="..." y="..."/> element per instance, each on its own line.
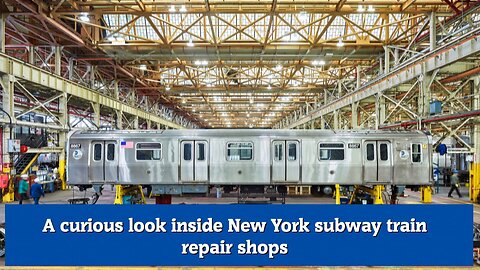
<point x="187" y="151"/>
<point x="201" y="151"/>
<point x="292" y="151"/>
<point x="110" y="151"/>
<point x="239" y="151"/>
<point x="416" y="152"/>
<point x="370" y="152"/>
<point x="97" y="151"/>
<point x="383" y="151"/>
<point x="331" y="151"/>
<point x="278" y="151"/>
<point x="149" y="151"/>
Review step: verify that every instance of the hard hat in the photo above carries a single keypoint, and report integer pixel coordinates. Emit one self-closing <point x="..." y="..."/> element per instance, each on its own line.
<point x="37" y="180"/>
<point x="24" y="176"/>
<point x="455" y="171"/>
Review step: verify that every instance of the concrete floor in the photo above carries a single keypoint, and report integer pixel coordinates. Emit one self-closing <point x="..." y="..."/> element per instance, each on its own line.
<point x="61" y="197"/>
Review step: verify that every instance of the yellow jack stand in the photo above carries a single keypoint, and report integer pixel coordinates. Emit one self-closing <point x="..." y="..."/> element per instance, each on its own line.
<point x="61" y="174"/>
<point x="9" y="193"/>
<point x="377" y="193"/>
<point x="337" y="194"/>
<point x="474" y="184"/>
<point x="121" y="191"/>
<point x="426" y="194"/>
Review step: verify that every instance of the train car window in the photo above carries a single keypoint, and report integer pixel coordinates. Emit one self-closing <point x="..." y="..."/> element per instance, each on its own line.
<point x="97" y="151"/>
<point x="278" y="152"/>
<point x="416" y="152"/>
<point x="292" y="151"/>
<point x="239" y="151"/>
<point x="201" y="151"/>
<point x="370" y="151"/>
<point x="110" y="151"/>
<point x="149" y="151"/>
<point x="383" y="152"/>
<point x="331" y="151"/>
<point x="187" y="151"/>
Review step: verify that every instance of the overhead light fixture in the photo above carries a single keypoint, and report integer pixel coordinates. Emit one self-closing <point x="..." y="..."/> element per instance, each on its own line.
<point x="318" y="62"/>
<point x="251" y="100"/>
<point x="269" y="87"/>
<point x="201" y="63"/>
<point x="193" y="110"/>
<point x="172" y="8"/>
<point x="370" y="8"/>
<point x="184" y="101"/>
<point x="167" y="88"/>
<point x="279" y="67"/>
<point x="190" y="43"/>
<point x="183" y="9"/>
<point x="340" y="43"/>
<point x="84" y="17"/>
<point x="143" y="67"/>
<point x="360" y="8"/>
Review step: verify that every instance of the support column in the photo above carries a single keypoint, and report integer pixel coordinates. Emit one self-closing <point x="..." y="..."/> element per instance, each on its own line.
<point x="433" y="31"/>
<point x="92" y="76"/>
<point x="387" y="59"/>
<point x="380" y="110"/>
<point x="424" y="96"/>
<point x="339" y="88"/>
<point x="322" y="122"/>
<point x="359" y="82"/>
<point x="70" y="68"/>
<point x="96" y="112"/>
<point x="135" y="122"/>
<point x="31" y="55"/>
<point x="149" y="124"/>
<point x="62" y="138"/>
<point x="474" y="187"/>
<point x="354" y="115"/>
<point x="58" y="60"/>
<point x="335" y="120"/>
<point x="396" y="57"/>
<point x="3" y="21"/>
<point x="119" y="119"/>
<point x="7" y="82"/>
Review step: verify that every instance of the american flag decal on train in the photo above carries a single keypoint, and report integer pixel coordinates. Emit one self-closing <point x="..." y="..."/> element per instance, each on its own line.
<point x="126" y="144"/>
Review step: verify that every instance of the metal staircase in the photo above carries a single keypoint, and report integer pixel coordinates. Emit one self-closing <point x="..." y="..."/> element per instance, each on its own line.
<point x="25" y="161"/>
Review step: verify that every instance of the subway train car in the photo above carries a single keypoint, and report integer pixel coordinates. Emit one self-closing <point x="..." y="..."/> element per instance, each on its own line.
<point x="189" y="161"/>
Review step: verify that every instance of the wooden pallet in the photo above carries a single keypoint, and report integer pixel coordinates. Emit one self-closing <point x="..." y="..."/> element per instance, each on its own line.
<point x="298" y="190"/>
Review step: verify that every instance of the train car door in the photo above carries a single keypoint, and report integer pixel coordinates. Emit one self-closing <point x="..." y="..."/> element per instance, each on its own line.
<point x="285" y="161"/>
<point x="104" y="161"/>
<point x="377" y="161"/>
<point x="194" y="161"/>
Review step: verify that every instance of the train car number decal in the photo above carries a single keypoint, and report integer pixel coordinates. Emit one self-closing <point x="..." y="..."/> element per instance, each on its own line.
<point x="75" y="146"/>
<point x="353" y="145"/>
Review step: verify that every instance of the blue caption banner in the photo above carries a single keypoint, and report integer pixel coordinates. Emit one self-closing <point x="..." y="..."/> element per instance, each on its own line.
<point x="239" y="235"/>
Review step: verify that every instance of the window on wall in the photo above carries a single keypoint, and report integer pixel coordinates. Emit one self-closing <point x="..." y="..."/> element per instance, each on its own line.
<point x="149" y="151"/>
<point x="331" y="151"/>
<point x="110" y="151"/>
<point x="187" y="151"/>
<point x="383" y="151"/>
<point x="279" y="151"/>
<point x="97" y="151"/>
<point x="201" y="151"/>
<point x="239" y="151"/>
<point x="416" y="152"/>
<point x="292" y="151"/>
<point x="370" y="152"/>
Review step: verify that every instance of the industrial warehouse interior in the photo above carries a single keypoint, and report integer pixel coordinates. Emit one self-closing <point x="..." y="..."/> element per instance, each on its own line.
<point x="240" y="102"/>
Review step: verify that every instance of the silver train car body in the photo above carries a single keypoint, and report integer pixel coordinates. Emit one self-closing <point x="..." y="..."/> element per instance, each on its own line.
<point x="180" y="161"/>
